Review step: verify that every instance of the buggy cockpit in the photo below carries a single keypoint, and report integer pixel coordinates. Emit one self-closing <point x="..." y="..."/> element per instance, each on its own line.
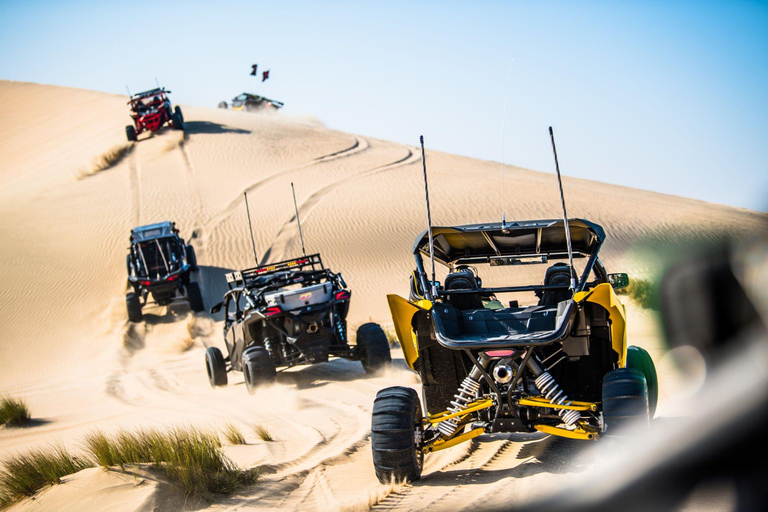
<point x="468" y="314"/>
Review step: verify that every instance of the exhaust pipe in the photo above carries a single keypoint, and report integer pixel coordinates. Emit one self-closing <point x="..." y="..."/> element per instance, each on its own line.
<point x="502" y="373"/>
<point x="313" y="328"/>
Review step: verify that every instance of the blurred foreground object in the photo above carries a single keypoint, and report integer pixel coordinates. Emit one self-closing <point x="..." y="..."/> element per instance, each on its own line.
<point x="714" y="302"/>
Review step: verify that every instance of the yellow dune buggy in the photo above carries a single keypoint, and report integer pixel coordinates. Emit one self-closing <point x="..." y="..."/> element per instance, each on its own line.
<point x="559" y="365"/>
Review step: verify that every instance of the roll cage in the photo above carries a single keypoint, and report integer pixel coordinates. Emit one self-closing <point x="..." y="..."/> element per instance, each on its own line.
<point x="253" y="283"/>
<point x="518" y="243"/>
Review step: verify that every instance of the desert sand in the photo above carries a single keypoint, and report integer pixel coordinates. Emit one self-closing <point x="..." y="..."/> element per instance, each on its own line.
<point x="67" y="349"/>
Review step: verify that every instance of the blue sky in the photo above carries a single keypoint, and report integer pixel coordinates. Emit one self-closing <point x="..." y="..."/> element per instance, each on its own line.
<point x="662" y="95"/>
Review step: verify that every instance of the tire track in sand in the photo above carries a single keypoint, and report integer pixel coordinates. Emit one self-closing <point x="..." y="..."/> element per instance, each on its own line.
<point x="360" y="145"/>
<point x="289" y="229"/>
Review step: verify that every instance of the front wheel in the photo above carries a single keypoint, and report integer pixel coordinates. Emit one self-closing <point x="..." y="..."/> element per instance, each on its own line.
<point x="625" y="401"/>
<point x="373" y="347"/>
<point x="195" y="297"/>
<point x="258" y="368"/>
<point x="639" y="359"/>
<point x="223" y="104"/>
<point x="216" y="367"/>
<point x="395" y="428"/>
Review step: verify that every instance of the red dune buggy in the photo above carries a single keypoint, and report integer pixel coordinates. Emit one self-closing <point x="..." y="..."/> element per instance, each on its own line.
<point x="151" y="110"/>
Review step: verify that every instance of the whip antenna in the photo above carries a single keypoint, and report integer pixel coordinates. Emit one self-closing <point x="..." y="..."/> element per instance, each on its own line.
<point x="127" y="89"/>
<point x="503" y="131"/>
<point x="250" y="226"/>
<point x="296" y="209"/>
<point x="565" y="214"/>
<point x="429" y="219"/>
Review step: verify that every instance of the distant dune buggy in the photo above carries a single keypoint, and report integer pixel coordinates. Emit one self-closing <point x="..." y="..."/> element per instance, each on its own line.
<point x="560" y="366"/>
<point x="252" y="103"/>
<point x="159" y="266"/>
<point x="151" y="110"/>
<point x="287" y="314"/>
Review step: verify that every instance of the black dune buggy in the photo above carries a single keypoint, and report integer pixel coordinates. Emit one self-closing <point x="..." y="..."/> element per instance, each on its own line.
<point x="286" y="314"/>
<point x="558" y="364"/>
<point x="252" y="103"/>
<point x="150" y="111"/>
<point x="159" y="265"/>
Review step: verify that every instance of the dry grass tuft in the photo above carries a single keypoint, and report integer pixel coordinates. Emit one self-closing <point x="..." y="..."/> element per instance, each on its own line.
<point x="188" y="457"/>
<point x="263" y="433"/>
<point x="23" y="475"/>
<point x="13" y="412"/>
<point x="233" y="434"/>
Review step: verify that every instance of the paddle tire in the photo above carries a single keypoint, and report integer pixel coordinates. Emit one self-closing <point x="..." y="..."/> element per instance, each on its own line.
<point x="223" y="104"/>
<point x="216" y="367"/>
<point x="639" y="359"/>
<point x="395" y="427"/>
<point x="177" y="111"/>
<point x="133" y="305"/>
<point x="373" y="348"/>
<point x="191" y="258"/>
<point x="177" y="121"/>
<point x="195" y="297"/>
<point x="625" y="401"/>
<point x="130" y="133"/>
<point x="258" y="368"/>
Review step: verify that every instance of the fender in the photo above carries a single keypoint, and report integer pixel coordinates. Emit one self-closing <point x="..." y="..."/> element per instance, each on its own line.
<point x="604" y="296"/>
<point x="402" y="315"/>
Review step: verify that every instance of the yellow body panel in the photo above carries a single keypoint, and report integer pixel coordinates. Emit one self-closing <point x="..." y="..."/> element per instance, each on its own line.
<point x="540" y="401"/>
<point x="578" y="433"/>
<point x="402" y="315"/>
<point x="604" y="295"/>
<point x="442" y="444"/>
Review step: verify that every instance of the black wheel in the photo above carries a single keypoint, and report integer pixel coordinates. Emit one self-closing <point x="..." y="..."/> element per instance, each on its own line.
<point x="191" y="258"/>
<point x="639" y="359"/>
<point x="177" y="121"/>
<point x="223" y="104"/>
<point x="395" y="426"/>
<point x="374" y="348"/>
<point x="625" y="400"/>
<point x="128" y="263"/>
<point x="195" y="297"/>
<point x="258" y="368"/>
<point x="133" y="304"/>
<point x="216" y="367"/>
<point x="177" y="111"/>
<point x="130" y="133"/>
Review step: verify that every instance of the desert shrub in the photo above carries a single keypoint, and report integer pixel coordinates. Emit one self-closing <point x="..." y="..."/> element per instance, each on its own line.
<point x="13" y="411"/>
<point x="643" y="292"/>
<point x="25" y="474"/>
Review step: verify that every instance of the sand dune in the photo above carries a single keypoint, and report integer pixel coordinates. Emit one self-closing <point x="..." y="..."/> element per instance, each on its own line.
<point x="66" y="347"/>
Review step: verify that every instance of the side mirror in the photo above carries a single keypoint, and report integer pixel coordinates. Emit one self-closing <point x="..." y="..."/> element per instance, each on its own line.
<point x="215" y="309"/>
<point x="618" y="281"/>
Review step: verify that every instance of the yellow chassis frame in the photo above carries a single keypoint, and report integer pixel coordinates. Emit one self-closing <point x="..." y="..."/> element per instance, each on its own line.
<point x="581" y="432"/>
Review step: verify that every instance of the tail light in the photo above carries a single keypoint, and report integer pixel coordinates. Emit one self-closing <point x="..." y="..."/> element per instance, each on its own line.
<point x="499" y="353"/>
<point x="272" y="311"/>
<point x="145" y="283"/>
<point x="173" y="278"/>
<point x="342" y="295"/>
